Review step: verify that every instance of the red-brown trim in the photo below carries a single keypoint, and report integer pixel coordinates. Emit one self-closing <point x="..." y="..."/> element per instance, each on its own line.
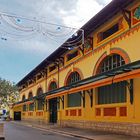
<point x="121" y="77"/>
<point x="118" y="51"/>
<point x="38" y="89"/>
<point x="52" y="80"/>
<point x="29" y="93"/>
<point x="122" y="53"/>
<point x="74" y="70"/>
<point x="97" y="65"/>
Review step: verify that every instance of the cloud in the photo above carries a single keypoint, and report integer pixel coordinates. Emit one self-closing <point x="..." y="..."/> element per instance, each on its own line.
<point x="73" y="13"/>
<point x="83" y="12"/>
<point x="103" y="2"/>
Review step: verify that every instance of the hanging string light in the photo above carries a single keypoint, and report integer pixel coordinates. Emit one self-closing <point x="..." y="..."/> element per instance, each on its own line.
<point x="20" y="27"/>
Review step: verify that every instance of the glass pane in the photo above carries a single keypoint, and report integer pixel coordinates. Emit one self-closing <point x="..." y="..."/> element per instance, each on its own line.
<point x="74" y="100"/>
<point x="114" y="93"/>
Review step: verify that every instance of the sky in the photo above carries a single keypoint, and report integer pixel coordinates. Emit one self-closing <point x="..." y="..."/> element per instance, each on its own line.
<point x="18" y="54"/>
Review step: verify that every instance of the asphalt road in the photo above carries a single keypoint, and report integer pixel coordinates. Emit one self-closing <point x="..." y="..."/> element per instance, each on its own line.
<point x="19" y="132"/>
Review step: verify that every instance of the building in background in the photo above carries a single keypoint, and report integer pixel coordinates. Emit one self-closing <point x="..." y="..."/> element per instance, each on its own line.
<point x="95" y="85"/>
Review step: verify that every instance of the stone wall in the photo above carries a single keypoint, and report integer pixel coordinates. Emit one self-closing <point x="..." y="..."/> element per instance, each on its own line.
<point x="36" y="121"/>
<point x="119" y="128"/>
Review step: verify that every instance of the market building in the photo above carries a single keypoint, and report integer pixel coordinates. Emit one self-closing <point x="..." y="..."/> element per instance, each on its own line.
<point x="95" y="85"/>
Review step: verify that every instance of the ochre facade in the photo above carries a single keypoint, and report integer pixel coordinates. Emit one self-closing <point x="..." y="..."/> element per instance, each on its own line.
<point x="110" y="114"/>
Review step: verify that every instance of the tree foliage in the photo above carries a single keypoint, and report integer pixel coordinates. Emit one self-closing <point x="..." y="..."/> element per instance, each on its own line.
<point x="8" y="93"/>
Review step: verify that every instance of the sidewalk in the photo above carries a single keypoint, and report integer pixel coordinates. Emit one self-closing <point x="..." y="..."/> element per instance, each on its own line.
<point x="80" y="133"/>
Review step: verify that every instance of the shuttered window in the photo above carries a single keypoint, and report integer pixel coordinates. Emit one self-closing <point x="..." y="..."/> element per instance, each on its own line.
<point x="114" y="93"/>
<point x="74" y="99"/>
<point x="31" y="107"/>
<point x="24" y="108"/>
<point x="39" y="103"/>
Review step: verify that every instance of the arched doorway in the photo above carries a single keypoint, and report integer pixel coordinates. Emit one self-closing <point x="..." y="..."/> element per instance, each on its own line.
<point x="53" y="104"/>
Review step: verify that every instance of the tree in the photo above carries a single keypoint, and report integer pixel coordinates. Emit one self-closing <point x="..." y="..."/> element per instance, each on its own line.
<point x="8" y="93"/>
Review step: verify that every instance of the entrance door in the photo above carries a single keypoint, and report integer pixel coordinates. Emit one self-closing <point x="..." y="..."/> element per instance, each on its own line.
<point x="53" y="110"/>
<point x="17" y="116"/>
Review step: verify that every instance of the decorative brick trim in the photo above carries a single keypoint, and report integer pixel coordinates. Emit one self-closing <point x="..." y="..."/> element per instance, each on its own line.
<point x="123" y="111"/>
<point x="39" y="113"/>
<point x="66" y="113"/>
<point x="73" y="112"/>
<point x="110" y="111"/>
<point x="30" y="113"/>
<point x="79" y="112"/>
<point x="98" y="112"/>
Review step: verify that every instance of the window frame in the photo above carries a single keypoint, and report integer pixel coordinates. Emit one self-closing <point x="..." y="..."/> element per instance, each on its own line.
<point x="112" y="94"/>
<point x="111" y="62"/>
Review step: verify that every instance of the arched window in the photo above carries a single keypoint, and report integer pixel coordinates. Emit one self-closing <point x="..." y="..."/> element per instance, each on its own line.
<point x="30" y="96"/>
<point x="111" y="62"/>
<point x="74" y="99"/>
<point x="115" y="92"/>
<point x="24" y="106"/>
<point x="31" y="105"/>
<point x="39" y="91"/>
<point x="39" y="103"/>
<point x="52" y="86"/>
<point x="23" y="98"/>
<point x="73" y="77"/>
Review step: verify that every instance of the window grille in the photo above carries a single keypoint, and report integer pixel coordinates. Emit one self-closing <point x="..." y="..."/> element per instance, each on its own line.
<point x="40" y="103"/>
<point x="111" y="62"/>
<point x="74" y="77"/>
<point x="24" y="108"/>
<point x="114" y="93"/>
<point x="74" y="99"/>
<point x="31" y="107"/>
<point x="52" y="86"/>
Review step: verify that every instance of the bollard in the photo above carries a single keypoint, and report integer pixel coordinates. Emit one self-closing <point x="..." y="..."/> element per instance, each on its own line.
<point x="2" y="131"/>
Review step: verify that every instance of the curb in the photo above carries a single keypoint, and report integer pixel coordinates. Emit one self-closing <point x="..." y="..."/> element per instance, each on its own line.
<point x="56" y="131"/>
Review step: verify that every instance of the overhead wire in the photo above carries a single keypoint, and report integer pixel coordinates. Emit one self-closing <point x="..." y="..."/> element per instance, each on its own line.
<point x="3" y="18"/>
<point x="11" y="21"/>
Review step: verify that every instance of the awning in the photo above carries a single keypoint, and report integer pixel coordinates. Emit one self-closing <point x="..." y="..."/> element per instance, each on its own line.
<point x="125" y="72"/>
